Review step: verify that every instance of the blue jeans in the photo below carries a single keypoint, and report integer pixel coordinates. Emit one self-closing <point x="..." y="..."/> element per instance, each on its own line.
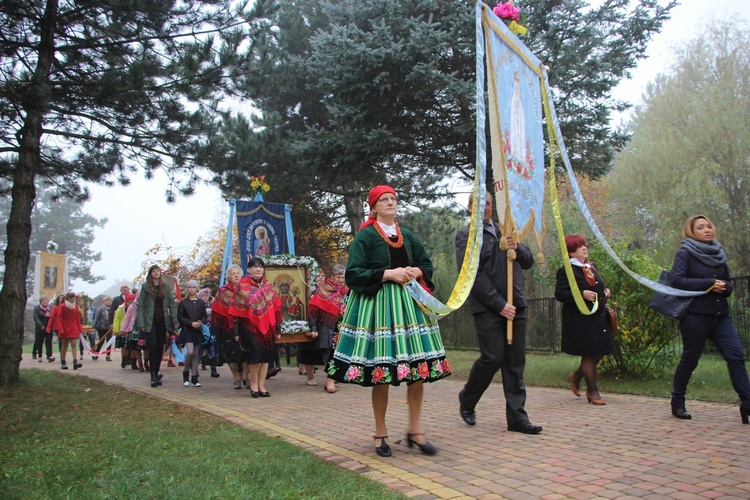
<point x="695" y="330"/>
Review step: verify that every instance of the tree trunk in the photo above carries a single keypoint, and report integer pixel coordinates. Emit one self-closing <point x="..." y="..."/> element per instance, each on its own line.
<point x="355" y="212"/>
<point x="17" y="253"/>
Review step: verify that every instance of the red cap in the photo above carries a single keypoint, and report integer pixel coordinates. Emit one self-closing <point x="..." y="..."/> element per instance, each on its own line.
<point x="130" y="297"/>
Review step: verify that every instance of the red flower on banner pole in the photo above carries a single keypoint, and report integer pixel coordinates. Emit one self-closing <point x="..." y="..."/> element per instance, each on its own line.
<point x="511" y="16"/>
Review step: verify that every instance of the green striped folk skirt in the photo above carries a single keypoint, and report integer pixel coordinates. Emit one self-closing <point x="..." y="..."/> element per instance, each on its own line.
<point x="387" y="339"/>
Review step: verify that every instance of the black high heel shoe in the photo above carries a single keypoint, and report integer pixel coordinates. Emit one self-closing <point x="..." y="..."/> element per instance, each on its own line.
<point x="255" y="394"/>
<point x="425" y="448"/>
<point x="745" y="415"/>
<point x="383" y="450"/>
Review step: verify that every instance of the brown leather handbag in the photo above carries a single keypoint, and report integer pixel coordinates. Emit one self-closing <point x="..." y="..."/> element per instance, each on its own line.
<point x="612" y="317"/>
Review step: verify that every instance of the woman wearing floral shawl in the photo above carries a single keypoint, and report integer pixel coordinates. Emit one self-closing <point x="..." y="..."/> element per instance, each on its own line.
<point x="326" y="308"/>
<point x="257" y="310"/>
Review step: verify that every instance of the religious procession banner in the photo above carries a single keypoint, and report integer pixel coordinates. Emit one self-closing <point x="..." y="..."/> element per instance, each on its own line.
<point x="262" y="229"/>
<point x="515" y="116"/>
<point x="519" y="96"/>
<point x="50" y="275"/>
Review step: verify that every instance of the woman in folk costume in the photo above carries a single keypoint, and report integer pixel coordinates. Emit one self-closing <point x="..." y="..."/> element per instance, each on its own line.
<point x="326" y="307"/>
<point x="224" y="325"/>
<point x="257" y="309"/>
<point x="384" y="338"/>
<point x="67" y="324"/>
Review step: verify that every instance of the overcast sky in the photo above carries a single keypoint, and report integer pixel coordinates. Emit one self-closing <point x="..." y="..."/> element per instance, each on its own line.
<point x="139" y="218"/>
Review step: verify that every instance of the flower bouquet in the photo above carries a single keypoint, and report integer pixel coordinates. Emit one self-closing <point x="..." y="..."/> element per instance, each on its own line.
<point x="259" y="185"/>
<point x="294" y="326"/>
<point x="511" y="16"/>
<point x="293" y="331"/>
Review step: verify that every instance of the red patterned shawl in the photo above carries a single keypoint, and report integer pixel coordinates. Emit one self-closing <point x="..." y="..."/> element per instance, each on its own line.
<point x="220" y="315"/>
<point x="327" y="303"/>
<point x="257" y="307"/>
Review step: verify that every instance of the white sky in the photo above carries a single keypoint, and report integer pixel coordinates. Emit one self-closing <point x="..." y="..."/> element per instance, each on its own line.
<point x="139" y="218"/>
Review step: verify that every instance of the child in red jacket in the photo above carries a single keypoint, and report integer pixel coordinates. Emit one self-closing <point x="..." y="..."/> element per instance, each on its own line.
<point x="67" y="324"/>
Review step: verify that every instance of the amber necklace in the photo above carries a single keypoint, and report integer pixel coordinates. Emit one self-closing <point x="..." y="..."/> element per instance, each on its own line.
<point x="399" y="237"/>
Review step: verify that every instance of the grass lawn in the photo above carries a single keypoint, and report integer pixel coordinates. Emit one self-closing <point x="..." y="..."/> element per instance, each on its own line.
<point x="56" y="444"/>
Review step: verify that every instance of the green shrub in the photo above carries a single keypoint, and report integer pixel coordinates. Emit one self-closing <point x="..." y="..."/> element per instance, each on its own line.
<point x="644" y="344"/>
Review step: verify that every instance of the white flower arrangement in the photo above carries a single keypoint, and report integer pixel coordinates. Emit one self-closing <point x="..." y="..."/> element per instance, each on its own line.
<point x="52" y="246"/>
<point x="294" y="326"/>
<point x="286" y="259"/>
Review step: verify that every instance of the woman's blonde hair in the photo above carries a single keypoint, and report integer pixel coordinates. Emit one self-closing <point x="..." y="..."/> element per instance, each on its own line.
<point x="688" y="230"/>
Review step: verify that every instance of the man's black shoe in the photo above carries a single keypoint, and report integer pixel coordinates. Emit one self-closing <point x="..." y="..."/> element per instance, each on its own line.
<point x="468" y="415"/>
<point x="525" y="428"/>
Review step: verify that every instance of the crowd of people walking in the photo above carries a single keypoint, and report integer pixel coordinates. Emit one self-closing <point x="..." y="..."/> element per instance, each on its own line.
<point x="366" y="329"/>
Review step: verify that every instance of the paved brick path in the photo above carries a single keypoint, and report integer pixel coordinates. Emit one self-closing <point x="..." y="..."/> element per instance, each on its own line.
<point x="632" y="447"/>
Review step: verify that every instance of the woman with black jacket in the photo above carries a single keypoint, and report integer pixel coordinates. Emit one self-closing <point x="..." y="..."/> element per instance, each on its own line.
<point x="585" y="335"/>
<point x="701" y="265"/>
<point x="42" y="314"/>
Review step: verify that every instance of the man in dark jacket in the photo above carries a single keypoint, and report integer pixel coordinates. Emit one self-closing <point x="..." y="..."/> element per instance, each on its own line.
<point x="118" y="301"/>
<point x="491" y="312"/>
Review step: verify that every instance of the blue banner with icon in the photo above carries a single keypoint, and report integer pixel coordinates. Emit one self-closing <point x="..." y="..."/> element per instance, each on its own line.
<point x="262" y="229"/>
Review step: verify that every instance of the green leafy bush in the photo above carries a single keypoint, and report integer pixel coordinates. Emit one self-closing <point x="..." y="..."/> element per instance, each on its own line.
<point x="645" y="341"/>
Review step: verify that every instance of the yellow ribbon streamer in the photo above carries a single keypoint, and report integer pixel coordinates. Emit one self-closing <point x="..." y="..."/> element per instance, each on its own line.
<point x="577" y="295"/>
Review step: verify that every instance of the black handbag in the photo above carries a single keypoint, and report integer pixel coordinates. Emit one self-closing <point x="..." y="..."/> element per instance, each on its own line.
<point x="233" y="352"/>
<point x="669" y="305"/>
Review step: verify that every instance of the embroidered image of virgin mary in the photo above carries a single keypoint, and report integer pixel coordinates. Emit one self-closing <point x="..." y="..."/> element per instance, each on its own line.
<point x="517" y="149"/>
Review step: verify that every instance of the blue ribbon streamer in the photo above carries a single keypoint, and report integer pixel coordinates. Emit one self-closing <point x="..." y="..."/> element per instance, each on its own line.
<point x="653" y="285"/>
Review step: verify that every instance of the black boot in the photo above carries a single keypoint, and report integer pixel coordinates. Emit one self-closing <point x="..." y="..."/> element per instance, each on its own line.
<point x="214" y="373"/>
<point x="194" y="381"/>
<point x="185" y="376"/>
<point x="679" y="411"/>
<point x="154" y="380"/>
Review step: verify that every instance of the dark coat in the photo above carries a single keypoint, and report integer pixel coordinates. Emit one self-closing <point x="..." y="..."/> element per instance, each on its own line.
<point x="583" y="335"/>
<point x="688" y="273"/>
<point x="116" y="302"/>
<point x="40" y="319"/>
<point x="189" y="311"/>
<point x="490" y="290"/>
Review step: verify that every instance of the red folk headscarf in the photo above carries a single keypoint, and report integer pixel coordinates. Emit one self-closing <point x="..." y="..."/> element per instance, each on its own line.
<point x="372" y="198"/>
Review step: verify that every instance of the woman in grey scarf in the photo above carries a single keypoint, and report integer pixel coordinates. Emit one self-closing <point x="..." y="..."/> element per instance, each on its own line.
<point x="701" y="264"/>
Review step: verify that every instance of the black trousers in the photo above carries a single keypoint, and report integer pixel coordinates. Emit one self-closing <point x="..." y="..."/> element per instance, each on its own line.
<point x="156" y="339"/>
<point x="42" y="337"/>
<point x="496" y="355"/>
